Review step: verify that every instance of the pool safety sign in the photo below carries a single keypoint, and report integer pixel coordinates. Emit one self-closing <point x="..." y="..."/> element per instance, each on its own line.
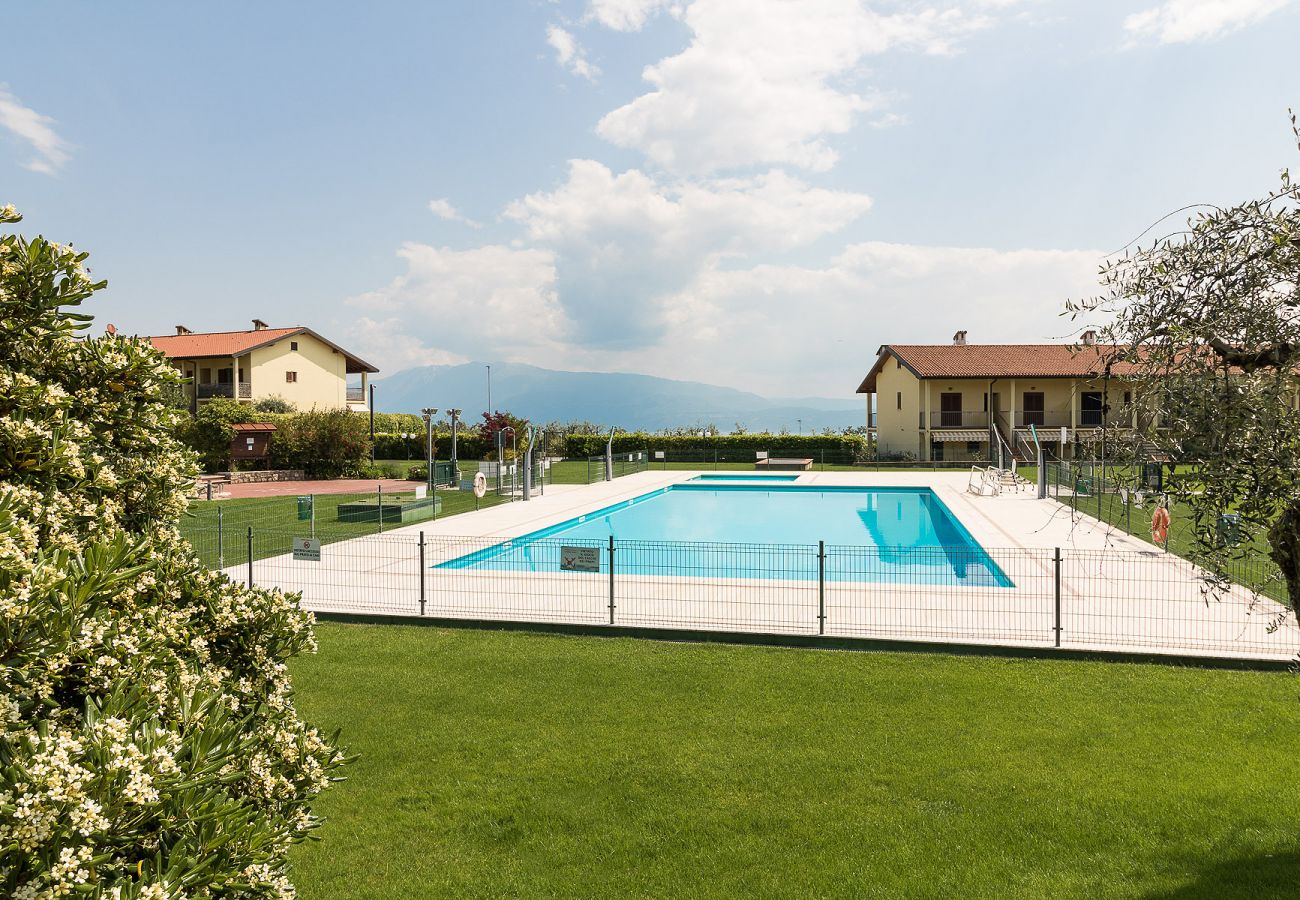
<point x="579" y="559"/>
<point x="306" y="549"/>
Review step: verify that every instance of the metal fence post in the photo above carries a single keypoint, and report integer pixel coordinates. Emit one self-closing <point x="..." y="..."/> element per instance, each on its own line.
<point x="311" y="499"/>
<point x="380" y="488"/>
<point x="221" y="548"/>
<point x="250" y="555"/>
<point x="1056" y="564"/>
<point x="421" y="573"/>
<point x="611" y="579"/>
<point x="821" y="587"/>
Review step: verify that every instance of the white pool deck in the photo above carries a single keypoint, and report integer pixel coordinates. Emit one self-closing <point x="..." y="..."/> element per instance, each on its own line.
<point x="1117" y="593"/>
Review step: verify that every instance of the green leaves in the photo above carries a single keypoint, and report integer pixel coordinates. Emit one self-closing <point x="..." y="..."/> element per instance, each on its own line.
<point x="148" y="739"/>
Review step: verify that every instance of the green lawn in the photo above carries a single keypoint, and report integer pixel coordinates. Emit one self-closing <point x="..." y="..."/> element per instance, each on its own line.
<point x="218" y="529"/>
<point x="506" y="764"/>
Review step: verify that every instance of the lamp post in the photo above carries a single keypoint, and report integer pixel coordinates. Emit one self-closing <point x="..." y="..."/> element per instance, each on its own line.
<point x="489" y="381"/>
<point x="428" y="413"/>
<point x="455" y="461"/>
<point x="800" y="421"/>
<point x="372" y="424"/>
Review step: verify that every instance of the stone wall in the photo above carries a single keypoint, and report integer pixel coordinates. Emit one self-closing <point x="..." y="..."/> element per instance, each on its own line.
<point x="256" y="475"/>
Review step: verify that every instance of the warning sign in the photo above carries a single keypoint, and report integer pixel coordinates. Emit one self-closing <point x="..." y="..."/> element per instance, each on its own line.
<point x="580" y="559"/>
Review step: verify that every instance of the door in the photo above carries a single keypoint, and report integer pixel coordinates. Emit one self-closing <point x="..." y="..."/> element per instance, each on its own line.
<point x="1034" y="409"/>
<point x="950" y="410"/>
<point x="1090" y="411"/>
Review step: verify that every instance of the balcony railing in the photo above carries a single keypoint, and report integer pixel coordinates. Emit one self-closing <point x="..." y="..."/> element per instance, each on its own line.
<point x="208" y="391"/>
<point x="356" y="395"/>
<point x="959" y="419"/>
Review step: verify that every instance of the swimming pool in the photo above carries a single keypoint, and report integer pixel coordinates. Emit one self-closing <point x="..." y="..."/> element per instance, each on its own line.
<point x="748" y="530"/>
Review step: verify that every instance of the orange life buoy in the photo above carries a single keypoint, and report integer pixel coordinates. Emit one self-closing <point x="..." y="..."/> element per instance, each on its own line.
<point x="1160" y="525"/>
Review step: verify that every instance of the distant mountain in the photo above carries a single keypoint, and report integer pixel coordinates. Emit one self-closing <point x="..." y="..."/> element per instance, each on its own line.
<point x="607" y="398"/>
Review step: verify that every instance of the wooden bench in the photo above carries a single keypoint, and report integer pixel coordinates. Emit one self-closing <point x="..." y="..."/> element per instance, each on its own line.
<point x="784" y="465"/>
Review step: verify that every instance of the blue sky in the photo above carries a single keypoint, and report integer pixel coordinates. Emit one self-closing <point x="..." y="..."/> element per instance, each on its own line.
<point x="750" y="193"/>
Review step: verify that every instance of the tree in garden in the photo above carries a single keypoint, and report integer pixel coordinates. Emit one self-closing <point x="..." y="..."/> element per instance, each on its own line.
<point x="149" y="744"/>
<point x="505" y="424"/>
<point x="1206" y="321"/>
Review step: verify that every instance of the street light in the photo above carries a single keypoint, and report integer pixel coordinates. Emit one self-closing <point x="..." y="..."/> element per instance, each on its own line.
<point x="800" y="421"/>
<point x="489" y="379"/>
<point x="428" y="413"/>
<point x="455" y="424"/>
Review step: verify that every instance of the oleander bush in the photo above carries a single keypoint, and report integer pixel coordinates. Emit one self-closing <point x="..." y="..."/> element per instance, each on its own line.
<point x="149" y="743"/>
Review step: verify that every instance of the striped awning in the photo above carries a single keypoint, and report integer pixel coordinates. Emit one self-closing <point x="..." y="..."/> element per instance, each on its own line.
<point x="960" y="434"/>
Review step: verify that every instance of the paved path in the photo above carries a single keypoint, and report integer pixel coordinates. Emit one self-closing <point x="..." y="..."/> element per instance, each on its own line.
<point x="332" y="486"/>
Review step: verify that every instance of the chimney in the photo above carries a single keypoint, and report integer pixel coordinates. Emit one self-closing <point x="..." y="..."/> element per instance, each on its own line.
<point x="181" y="329"/>
<point x="1089" y="338"/>
<point x="259" y="325"/>
<point x="959" y="339"/>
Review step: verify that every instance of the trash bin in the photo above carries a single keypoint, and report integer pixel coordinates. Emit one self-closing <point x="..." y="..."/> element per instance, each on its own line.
<point x="304" y="508"/>
<point x="1153" y="476"/>
<point x="1083" y="487"/>
<point x="1228" y="529"/>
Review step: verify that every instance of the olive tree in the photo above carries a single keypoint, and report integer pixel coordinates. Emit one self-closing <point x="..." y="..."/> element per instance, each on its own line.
<point x="1206" y="322"/>
<point x="149" y="743"/>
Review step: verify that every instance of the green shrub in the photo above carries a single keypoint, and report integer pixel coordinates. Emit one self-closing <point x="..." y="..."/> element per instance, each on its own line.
<point x="274" y="404"/>
<point x="209" y="433"/>
<point x="469" y="445"/>
<point x="330" y="443"/>
<point x="149" y="744"/>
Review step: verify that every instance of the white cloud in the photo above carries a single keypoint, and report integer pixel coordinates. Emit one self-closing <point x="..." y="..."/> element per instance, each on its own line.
<point x="492" y="301"/>
<point x="569" y="54"/>
<point x="390" y="340"/>
<point x="37" y="130"/>
<point x="624" y="15"/>
<point x="443" y="209"/>
<point x="788" y="330"/>
<point x="769" y="84"/>
<point x="1185" y="21"/>
<point x="623" y="243"/>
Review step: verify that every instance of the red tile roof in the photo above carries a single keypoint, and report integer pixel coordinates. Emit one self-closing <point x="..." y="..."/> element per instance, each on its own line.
<point x="996" y="361"/>
<point x="215" y="344"/>
<point x="241" y="427"/>
<point x="219" y="343"/>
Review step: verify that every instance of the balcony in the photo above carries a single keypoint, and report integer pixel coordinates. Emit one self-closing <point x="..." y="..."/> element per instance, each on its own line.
<point x="356" y="394"/>
<point x="209" y="391"/>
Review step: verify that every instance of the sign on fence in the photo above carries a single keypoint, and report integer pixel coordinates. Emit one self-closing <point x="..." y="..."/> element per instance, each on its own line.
<point x="580" y="559"/>
<point x="306" y="549"/>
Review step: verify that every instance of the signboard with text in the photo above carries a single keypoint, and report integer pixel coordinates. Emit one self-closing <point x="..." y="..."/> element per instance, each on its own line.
<point x="579" y="559"/>
<point x="306" y="549"/>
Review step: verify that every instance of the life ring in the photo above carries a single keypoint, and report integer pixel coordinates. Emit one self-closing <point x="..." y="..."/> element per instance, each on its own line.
<point x="480" y="484"/>
<point x="1160" y="525"/>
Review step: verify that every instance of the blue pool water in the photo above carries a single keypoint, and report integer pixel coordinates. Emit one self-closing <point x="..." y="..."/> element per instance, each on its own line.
<point x="759" y="531"/>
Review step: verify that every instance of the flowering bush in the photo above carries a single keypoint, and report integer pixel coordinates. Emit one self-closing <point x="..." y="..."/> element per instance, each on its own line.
<point x="149" y="745"/>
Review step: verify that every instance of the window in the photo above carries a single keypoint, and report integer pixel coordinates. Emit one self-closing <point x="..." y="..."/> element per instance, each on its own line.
<point x="1090" y="409"/>
<point x="900" y="399"/>
<point x="1034" y="414"/>
<point x="205" y="376"/>
<point x="974" y="447"/>
<point x="291" y="377"/>
<point x="225" y="376"/>
<point x="986" y="401"/>
<point x="950" y="410"/>
<point x="293" y="345"/>
<point x="936" y="451"/>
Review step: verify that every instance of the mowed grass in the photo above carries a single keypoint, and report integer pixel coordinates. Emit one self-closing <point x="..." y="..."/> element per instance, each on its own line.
<point x="508" y="764"/>
<point x="218" y="529"/>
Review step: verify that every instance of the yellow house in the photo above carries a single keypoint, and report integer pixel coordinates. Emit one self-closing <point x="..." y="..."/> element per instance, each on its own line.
<point x="294" y="363"/>
<point x="963" y="401"/>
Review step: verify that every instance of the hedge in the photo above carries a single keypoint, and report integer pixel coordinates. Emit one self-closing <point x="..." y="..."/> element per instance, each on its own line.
<point x="394" y="446"/>
<point x="851" y="446"/>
